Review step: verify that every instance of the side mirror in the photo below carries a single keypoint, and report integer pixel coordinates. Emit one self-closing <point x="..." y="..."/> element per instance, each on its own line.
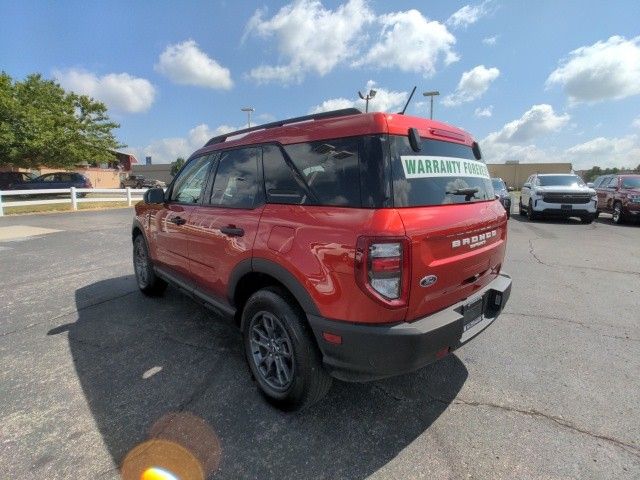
<point x="497" y="196"/>
<point x="590" y="184"/>
<point x="154" y="195"/>
<point x="528" y="185"/>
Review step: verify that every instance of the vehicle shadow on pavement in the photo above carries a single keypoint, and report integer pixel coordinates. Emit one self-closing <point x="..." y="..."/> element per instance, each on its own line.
<point x="157" y="372"/>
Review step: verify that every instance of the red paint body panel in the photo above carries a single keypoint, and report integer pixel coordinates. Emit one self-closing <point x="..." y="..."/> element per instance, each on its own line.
<point x="460" y="271"/>
<point x="322" y="255"/>
<point x="212" y="254"/>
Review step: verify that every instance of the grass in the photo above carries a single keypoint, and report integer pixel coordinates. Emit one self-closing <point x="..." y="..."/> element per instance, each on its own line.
<point x="62" y="207"/>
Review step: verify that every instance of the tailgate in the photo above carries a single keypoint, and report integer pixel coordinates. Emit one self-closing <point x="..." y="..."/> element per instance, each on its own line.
<point x="455" y="251"/>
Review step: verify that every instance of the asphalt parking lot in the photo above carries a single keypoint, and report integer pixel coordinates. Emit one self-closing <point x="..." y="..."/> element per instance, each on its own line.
<point x="90" y="370"/>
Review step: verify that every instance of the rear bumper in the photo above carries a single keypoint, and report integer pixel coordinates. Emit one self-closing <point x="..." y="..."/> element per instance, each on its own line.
<point x="371" y="352"/>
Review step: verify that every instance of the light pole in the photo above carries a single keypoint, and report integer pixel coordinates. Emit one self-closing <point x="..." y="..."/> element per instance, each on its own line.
<point x="248" y="110"/>
<point x="369" y="96"/>
<point x="431" y="94"/>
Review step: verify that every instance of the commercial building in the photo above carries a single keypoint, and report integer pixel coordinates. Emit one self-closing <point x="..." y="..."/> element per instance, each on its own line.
<point x="515" y="174"/>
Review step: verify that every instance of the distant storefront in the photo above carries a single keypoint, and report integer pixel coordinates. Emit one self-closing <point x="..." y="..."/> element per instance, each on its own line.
<point x="515" y="174"/>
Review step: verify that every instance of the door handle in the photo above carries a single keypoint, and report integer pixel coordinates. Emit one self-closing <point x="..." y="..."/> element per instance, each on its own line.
<point x="232" y="231"/>
<point x="178" y="220"/>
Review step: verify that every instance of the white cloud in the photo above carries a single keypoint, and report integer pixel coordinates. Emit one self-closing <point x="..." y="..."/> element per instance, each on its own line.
<point x="472" y="85"/>
<point x="485" y="112"/>
<point x="119" y="91"/>
<point x="469" y="14"/>
<point x="384" y="101"/>
<point x="166" y="150"/>
<point x="538" y="120"/>
<point x="513" y="140"/>
<point x="604" y="70"/>
<point x="411" y="43"/>
<point x="309" y="37"/>
<point x="606" y="152"/>
<point x="186" y="64"/>
<point x="491" y="41"/>
<point x="636" y="123"/>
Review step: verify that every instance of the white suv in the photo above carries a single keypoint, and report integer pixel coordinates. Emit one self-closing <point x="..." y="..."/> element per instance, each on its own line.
<point x="559" y="195"/>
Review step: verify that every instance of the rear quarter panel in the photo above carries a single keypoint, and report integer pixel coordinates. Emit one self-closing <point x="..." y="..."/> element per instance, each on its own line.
<point x="317" y="245"/>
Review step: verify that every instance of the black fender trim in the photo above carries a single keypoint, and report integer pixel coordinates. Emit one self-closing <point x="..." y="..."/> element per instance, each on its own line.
<point x="138" y="225"/>
<point x="268" y="267"/>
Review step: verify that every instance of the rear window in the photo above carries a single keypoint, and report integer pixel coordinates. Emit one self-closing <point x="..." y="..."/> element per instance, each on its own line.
<point x="440" y="173"/>
<point x="329" y="170"/>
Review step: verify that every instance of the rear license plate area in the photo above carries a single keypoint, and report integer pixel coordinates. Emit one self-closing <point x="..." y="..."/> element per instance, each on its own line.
<point x="566" y="207"/>
<point x="472" y="313"/>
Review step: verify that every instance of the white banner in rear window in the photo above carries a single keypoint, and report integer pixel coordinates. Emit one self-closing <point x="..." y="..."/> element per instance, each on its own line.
<point x="421" y="166"/>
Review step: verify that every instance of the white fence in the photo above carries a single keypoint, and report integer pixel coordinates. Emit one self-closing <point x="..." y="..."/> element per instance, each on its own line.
<point x="73" y="196"/>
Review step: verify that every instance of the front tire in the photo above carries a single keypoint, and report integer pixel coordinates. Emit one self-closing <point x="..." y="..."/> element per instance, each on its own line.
<point x="617" y="215"/>
<point x="588" y="219"/>
<point x="521" y="209"/>
<point x="148" y="282"/>
<point x="531" y="215"/>
<point x="281" y="351"/>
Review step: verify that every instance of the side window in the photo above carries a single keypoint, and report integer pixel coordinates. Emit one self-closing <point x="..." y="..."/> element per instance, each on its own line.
<point x="613" y="182"/>
<point x="189" y="185"/>
<point x="48" y="178"/>
<point x="279" y="180"/>
<point x="235" y="184"/>
<point x="330" y="169"/>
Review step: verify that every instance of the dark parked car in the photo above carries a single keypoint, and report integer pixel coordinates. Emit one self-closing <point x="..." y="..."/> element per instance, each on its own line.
<point x="7" y="179"/>
<point x="502" y="191"/>
<point x="619" y="195"/>
<point x="55" y="180"/>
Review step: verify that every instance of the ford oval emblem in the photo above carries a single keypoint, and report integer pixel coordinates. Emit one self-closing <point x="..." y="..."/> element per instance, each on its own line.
<point x="428" y="281"/>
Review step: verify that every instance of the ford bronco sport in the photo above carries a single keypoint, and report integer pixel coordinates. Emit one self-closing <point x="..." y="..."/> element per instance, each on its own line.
<point x="347" y="245"/>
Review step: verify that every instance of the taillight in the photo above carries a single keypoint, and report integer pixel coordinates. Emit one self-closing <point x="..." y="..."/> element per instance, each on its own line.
<point x="383" y="269"/>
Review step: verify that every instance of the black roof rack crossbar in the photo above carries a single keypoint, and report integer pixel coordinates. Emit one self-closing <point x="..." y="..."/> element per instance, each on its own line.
<point x="316" y="116"/>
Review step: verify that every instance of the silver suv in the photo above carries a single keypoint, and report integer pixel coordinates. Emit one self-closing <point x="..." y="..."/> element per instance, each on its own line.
<point x="559" y="195"/>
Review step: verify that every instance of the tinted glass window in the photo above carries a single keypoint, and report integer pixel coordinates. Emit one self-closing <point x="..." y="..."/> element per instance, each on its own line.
<point x="279" y="178"/>
<point x="440" y="173"/>
<point x="631" y="182"/>
<point x="47" y="178"/>
<point x="613" y="182"/>
<point x="559" y="180"/>
<point x="598" y="181"/>
<point x="236" y="183"/>
<point x="188" y="187"/>
<point x="330" y="170"/>
<point x="498" y="184"/>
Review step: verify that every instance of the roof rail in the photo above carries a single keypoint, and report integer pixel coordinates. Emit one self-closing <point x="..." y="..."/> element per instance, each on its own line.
<point x="316" y="116"/>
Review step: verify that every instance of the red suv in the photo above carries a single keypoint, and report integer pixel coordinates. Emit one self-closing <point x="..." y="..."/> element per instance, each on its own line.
<point x="619" y="195"/>
<point x="347" y="245"/>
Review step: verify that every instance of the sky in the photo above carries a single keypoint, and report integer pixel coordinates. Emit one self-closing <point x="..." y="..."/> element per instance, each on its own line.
<point x="531" y="81"/>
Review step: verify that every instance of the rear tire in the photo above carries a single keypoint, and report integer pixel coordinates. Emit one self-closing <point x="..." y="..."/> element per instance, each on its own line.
<point x="588" y="219"/>
<point x="281" y="351"/>
<point x="148" y="282"/>
<point x="617" y="215"/>
<point x="521" y="209"/>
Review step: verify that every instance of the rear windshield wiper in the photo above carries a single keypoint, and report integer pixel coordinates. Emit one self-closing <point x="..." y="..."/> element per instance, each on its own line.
<point x="464" y="191"/>
<point x="467" y="192"/>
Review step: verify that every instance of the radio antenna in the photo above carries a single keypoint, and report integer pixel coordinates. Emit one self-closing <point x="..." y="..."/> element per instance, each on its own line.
<point x="408" y="100"/>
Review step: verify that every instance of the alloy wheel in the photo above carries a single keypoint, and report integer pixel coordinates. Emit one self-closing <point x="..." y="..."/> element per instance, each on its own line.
<point x="271" y="351"/>
<point x="617" y="213"/>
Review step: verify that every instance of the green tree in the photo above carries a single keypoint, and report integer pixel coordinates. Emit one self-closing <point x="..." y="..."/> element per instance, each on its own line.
<point x="176" y="166"/>
<point x="42" y="125"/>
